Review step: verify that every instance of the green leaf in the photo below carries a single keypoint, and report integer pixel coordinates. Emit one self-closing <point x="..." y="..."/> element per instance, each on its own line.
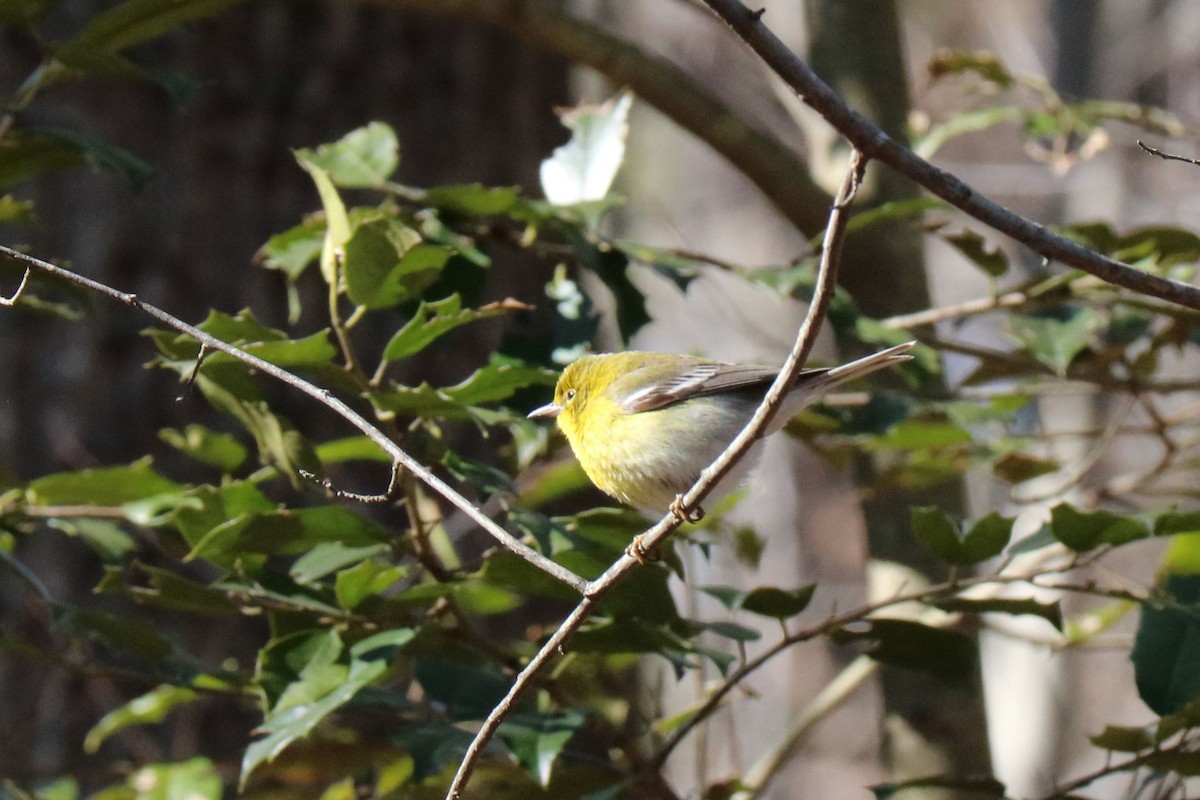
<point x="1124" y="740"/>
<point x="768" y="601"/>
<point x="537" y="740"/>
<point x="731" y="630"/>
<point x="105" y="538"/>
<point x="914" y="434"/>
<point x="1162" y="245"/>
<point x="351" y="448"/>
<point x="386" y="263"/>
<point x="1016" y="467"/>
<point x="130" y="635"/>
<point x="1166" y="650"/>
<point x="173" y="592"/>
<point x="287" y="532"/>
<point x="322" y="689"/>
<point x="137" y="21"/>
<point x="992" y="261"/>
<point x="269" y="344"/>
<point x="463" y="691"/>
<point x="329" y="557"/>
<point x="435" y="319"/>
<point x="947" y="655"/>
<point x="107" y="486"/>
<point x="103" y="154"/>
<point x="151" y="707"/>
<point x="337" y="221"/>
<point x="194" y="779"/>
<point x="1056" y="340"/>
<point x="958" y="62"/>
<point x="1183" y="554"/>
<point x="363" y="158"/>
<point x="950" y="786"/>
<point x="20" y="13"/>
<point x="1051" y="612"/>
<point x="219" y="450"/>
<point x="490" y="384"/>
<point x="894" y="210"/>
<point x="369" y="578"/>
<point x="30" y="154"/>
<point x="293" y="250"/>
<point x="13" y="210"/>
<point x="1082" y="531"/>
<point x="942" y="536"/>
<point x="487" y="479"/>
<point x="473" y="199"/>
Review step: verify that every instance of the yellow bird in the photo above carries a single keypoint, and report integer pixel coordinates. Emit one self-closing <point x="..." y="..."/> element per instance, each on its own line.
<point x="644" y="425"/>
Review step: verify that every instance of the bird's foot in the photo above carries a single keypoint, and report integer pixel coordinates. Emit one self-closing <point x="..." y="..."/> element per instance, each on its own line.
<point x="693" y="515"/>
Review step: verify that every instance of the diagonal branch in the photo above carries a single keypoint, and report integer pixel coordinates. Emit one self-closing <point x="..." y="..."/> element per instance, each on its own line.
<point x="876" y="144"/>
<point x="399" y="457"/>
<point x="709" y="478"/>
<point x="774" y="167"/>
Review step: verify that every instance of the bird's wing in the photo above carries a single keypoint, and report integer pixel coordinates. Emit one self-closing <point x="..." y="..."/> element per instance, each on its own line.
<point x="696" y="380"/>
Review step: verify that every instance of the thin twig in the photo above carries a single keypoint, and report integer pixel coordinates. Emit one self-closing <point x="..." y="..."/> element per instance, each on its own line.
<point x="1099" y="448"/>
<point x="1166" y="156"/>
<point x="190" y="381"/>
<point x="805" y="338"/>
<point x="756" y="779"/>
<point x="876" y="144"/>
<point x="327" y="399"/>
<point x="392" y="492"/>
<point x="12" y="301"/>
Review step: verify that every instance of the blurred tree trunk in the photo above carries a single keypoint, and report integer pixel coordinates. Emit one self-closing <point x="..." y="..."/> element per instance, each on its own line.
<point x="469" y="105"/>
<point x="857" y="48"/>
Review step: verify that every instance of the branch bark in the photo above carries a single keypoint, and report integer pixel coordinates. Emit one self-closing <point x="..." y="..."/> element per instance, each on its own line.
<point x="399" y="456"/>
<point x="772" y="166"/>
<point x="876" y="144"/>
<point x="806" y="337"/>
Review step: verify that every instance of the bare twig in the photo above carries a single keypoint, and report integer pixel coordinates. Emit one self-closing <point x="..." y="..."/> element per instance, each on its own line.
<point x="391" y="493"/>
<point x="322" y="396"/>
<point x="1166" y="156"/>
<point x="12" y="300"/>
<point x="876" y="144"/>
<point x="805" y="338"/>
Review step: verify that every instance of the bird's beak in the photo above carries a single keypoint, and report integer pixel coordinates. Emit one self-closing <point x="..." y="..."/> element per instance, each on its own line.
<point x="549" y="411"/>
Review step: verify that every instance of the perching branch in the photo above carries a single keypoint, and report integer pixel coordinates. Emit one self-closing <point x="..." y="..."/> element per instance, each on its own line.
<point x="709" y="478"/>
<point x="876" y="144"/>
<point x="399" y="457"/>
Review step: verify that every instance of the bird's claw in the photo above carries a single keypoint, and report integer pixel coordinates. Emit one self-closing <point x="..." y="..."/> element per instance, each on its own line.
<point x="638" y="551"/>
<point x="693" y="515"/>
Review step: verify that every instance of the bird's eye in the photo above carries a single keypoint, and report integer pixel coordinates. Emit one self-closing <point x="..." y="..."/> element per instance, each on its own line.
<point x="570" y="395"/>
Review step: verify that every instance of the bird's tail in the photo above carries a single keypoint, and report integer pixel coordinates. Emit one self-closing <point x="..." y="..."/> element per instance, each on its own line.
<point x="814" y="383"/>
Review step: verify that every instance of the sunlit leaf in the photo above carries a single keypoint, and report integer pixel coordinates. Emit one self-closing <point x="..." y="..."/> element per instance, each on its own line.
<point x="218" y="450"/>
<point x="365" y="157"/>
<point x="583" y="169"/>
<point x="151" y="707"/>
<point x="194" y="779"/>
<point x="473" y="199"/>
<point x="432" y="320"/>
<point x="106" y="486"/>
<point x="386" y="263"/>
